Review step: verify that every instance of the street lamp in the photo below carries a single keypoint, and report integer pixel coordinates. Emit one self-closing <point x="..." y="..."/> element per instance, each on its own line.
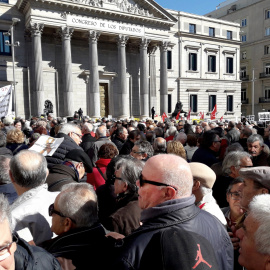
<point x="12" y="45"/>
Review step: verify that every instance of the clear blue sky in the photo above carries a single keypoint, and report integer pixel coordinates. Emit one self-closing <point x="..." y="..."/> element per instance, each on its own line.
<point x="199" y="7"/>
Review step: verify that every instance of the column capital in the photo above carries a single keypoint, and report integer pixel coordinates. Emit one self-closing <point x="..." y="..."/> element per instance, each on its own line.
<point x="93" y="36"/>
<point x="122" y="40"/>
<point x="152" y="49"/>
<point x="163" y="46"/>
<point x="66" y="32"/>
<point x="144" y="42"/>
<point x="36" y="29"/>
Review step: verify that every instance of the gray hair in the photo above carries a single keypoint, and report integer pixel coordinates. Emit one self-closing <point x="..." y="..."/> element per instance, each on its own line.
<point x="87" y="127"/>
<point x="2" y="138"/>
<point x="233" y="159"/>
<point x="101" y="131"/>
<point x="234" y="147"/>
<point x="260" y="210"/>
<point x="159" y="145"/>
<point x="68" y="127"/>
<point x="172" y="131"/>
<point x="255" y="138"/>
<point x="29" y="169"/>
<point x="4" y="172"/>
<point x="131" y="171"/>
<point x="180" y="136"/>
<point x="145" y="147"/>
<point x="78" y="201"/>
<point x="246" y="131"/>
<point x="5" y="213"/>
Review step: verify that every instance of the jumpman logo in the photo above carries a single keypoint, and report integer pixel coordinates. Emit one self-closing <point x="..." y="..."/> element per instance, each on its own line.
<point x="200" y="259"/>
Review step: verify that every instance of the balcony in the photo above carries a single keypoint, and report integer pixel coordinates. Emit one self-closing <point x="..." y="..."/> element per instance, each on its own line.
<point x="264" y="100"/>
<point x="244" y="78"/>
<point x="264" y="75"/>
<point x="244" y="101"/>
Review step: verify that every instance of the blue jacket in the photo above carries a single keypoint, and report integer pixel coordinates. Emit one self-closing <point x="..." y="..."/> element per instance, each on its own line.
<point x="180" y="213"/>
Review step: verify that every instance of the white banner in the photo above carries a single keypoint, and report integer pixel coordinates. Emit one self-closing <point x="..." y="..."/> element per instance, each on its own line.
<point x="5" y="100"/>
<point x="105" y="25"/>
<point x="46" y="145"/>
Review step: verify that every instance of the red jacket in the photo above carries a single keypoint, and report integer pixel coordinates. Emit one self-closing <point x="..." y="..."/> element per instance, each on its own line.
<point x="95" y="178"/>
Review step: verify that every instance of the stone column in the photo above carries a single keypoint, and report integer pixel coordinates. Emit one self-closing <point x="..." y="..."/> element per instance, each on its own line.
<point x="122" y="77"/>
<point x="163" y="78"/>
<point x="144" y="90"/>
<point x="66" y="33"/>
<point x="38" y="88"/>
<point x="153" y="76"/>
<point x="94" y="78"/>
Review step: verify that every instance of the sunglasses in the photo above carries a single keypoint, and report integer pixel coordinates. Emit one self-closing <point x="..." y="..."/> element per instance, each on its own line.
<point x="53" y="211"/>
<point x="142" y="182"/>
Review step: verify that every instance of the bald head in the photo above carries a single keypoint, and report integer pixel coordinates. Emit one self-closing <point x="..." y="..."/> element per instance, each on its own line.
<point x="101" y="131"/>
<point x="87" y="128"/>
<point x="159" y="145"/>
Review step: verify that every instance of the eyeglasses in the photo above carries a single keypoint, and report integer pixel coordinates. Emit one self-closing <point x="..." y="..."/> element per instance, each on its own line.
<point x="115" y="177"/>
<point x="79" y="135"/>
<point x="5" y="249"/>
<point x="242" y="166"/>
<point x="235" y="195"/>
<point x="134" y="152"/>
<point x="142" y="182"/>
<point x="53" y="211"/>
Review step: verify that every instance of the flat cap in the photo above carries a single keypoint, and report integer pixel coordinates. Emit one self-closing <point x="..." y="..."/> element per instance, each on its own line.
<point x="260" y="174"/>
<point x="80" y="156"/>
<point x="203" y="173"/>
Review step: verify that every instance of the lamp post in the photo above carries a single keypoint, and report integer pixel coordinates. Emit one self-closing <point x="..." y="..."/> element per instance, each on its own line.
<point x="12" y="45"/>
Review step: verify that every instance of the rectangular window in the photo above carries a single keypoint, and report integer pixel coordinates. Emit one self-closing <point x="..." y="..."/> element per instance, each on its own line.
<point x="229" y="65"/>
<point x="267" y="31"/>
<point x="244" y="38"/>
<point x="244" y="55"/>
<point x="169" y="103"/>
<point x="267" y="68"/>
<point x="211" y="63"/>
<point x="169" y="59"/>
<point x="211" y="31"/>
<point x="4" y="1"/>
<point x="267" y="93"/>
<point x="193" y="103"/>
<point x="267" y="14"/>
<point x="243" y="72"/>
<point x="229" y="103"/>
<point x="243" y="94"/>
<point x="267" y="49"/>
<point x="192" y="28"/>
<point x="244" y="22"/>
<point x="193" y="61"/>
<point x="229" y="34"/>
<point x="212" y="102"/>
<point x="4" y="49"/>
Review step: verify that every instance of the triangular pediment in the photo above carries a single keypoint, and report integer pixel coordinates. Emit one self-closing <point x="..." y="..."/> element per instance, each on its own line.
<point x="141" y="9"/>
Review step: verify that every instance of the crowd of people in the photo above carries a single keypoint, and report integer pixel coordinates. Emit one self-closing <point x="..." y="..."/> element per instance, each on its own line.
<point x="130" y="194"/>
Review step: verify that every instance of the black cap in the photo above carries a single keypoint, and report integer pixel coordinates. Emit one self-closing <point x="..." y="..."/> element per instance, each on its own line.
<point x="80" y="156"/>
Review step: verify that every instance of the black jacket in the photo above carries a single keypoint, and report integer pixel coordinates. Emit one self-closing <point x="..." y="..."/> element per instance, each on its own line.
<point x="126" y="148"/>
<point x="84" y="246"/>
<point x="29" y="257"/>
<point x="60" y="153"/>
<point x="87" y="142"/>
<point x="179" y="213"/>
<point x="59" y="176"/>
<point x="118" y="142"/>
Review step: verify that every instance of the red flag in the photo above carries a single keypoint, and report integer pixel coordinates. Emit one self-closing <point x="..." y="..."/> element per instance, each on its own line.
<point x="164" y="115"/>
<point x="188" y="116"/>
<point x="177" y="116"/>
<point x="221" y="118"/>
<point x="213" y="113"/>
<point x="202" y="116"/>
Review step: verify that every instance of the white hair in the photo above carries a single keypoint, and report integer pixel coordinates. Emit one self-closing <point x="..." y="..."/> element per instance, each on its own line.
<point x="67" y="128"/>
<point x="172" y="131"/>
<point x="260" y="210"/>
<point x="180" y="136"/>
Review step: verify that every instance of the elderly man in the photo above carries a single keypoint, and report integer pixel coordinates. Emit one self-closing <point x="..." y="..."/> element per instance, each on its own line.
<point x="254" y="235"/>
<point x="231" y="165"/>
<point x="75" y="221"/>
<point x="159" y="146"/>
<point x="181" y="137"/>
<point x="120" y="138"/>
<point x="203" y="181"/>
<point x="6" y="186"/>
<point x="255" y="145"/>
<point x="233" y="134"/>
<point x="15" y="252"/>
<point x="142" y="150"/>
<point x="165" y="197"/>
<point x="87" y="138"/>
<point x="28" y="172"/>
<point x="198" y="131"/>
<point x="134" y="135"/>
<point x="172" y="131"/>
<point x="256" y="182"/>
<point x="72" y="138"/>
<point x="244" y="134"/>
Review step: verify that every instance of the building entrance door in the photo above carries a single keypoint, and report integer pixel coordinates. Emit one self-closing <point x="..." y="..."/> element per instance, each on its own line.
<point x="104" y="101"/>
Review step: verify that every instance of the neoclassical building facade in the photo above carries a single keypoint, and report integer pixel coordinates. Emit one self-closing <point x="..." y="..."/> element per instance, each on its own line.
<point x="119" y="58"/>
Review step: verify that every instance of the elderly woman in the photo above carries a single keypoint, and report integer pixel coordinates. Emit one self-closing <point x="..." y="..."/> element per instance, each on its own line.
<point x="15" y="141"/>
<point x="177" y="148"/>
<point x="126" y="218"/>
<point x="98" y="177"/>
